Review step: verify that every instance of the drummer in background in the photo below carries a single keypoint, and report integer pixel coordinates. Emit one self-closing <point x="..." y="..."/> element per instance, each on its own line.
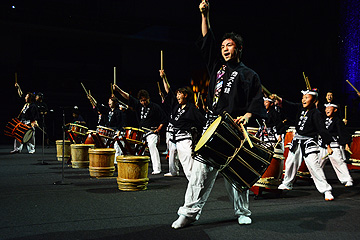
<point x="113" y="117"/>
<point x="273" y="127"/>
<point x="43" y="111"/>
<point x="236" y="89"/>
<point x="340" y="138"/>
<point x="77" y="118"/>
<point x="184" y="116"/>
<point x="29" y="116"/>
<point x="151" y="116"/>
<point x="304" y="145"/>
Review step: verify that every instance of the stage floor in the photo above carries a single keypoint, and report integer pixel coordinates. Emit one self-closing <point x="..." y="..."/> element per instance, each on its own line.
<point x="81" y="207"/>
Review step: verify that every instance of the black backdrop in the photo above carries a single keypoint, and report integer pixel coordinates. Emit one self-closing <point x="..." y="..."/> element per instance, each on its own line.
<point x="55" y="45"/>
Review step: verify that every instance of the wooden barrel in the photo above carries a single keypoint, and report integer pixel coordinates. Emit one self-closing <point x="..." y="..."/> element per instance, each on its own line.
<point x="59" y="150"/>
<point x="101" y="162"/>
<point x="132" y="172"/>
<point x="80" y="155"/>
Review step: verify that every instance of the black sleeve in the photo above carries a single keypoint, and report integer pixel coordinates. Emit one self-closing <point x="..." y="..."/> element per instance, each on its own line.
<point x="207" y="45"/>
<point x="319" y="123"/>
<point x="256" y="105"/>
<point x="290" y="109"/>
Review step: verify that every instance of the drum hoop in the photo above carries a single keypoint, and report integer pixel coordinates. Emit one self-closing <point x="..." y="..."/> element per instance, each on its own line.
<point x="28" y="135"/>
<point x="106" y="128"/>
<point x="79" y="133"/>
<point x="134" y="129"/>
<point x="208" y="133"/>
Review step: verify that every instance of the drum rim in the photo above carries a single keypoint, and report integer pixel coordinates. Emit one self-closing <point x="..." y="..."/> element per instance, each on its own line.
<point x="136" y="129"/>
<point x="28" y="135"/>
<point x="105" y="128"/>
<point x="74" y="124"/>
<point x="208" y="133"/>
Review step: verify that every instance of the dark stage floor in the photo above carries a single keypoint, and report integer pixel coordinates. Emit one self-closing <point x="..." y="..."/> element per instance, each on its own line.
<point x="33" y="207"/>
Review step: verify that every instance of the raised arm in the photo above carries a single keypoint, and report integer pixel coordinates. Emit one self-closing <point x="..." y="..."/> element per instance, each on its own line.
<point x="122" y="92"/>
<point x="205" y="23"/>
<point x="165" y="81"/>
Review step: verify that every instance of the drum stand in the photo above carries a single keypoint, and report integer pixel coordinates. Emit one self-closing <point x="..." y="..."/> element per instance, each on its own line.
<point x="43" y="141"/>
<point x="62" y="182"/>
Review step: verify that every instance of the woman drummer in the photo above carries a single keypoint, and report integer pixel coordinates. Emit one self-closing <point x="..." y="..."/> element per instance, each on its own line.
<point x="184" y="116"/>
<point x="29" y="115"/>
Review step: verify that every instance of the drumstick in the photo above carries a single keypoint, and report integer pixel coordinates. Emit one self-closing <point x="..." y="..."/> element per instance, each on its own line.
<point x="265" y="90"/>
<point x="357" y="91"/>
<point x="112" y="90"/>
<point x="147" y="129"/>
<point x="307" y="83"/>
<point x="345" y="112"/>
<point x="158" y="84"/>
<point x="41" y="130"/>
<point x="123" y="104"/>
<point x="84" y="88"/>
<point x="246" y="135"/>
<point x="277" y="143"/>
<point x="349" y="151"/>
<point x="327" y="155"/>
<point x="161" y="60"/>
<point x="114" y="75"/>
<point x="197" y="99"/>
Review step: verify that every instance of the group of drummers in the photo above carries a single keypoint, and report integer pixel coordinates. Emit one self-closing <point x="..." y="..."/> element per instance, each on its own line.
<point x="235" y="92"/>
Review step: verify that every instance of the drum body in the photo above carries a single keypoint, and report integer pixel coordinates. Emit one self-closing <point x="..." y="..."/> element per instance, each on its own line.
<point x="272" y="177"/>
<point x="18" y="130"/>
<point x="224" y="147"/>
<point x="80" y="155"/>
<point x="132" y="172"/>
<point x="59" y="150"/>
<point x="78" y="129"/>
<point x="101" y="162"/>
<point x="134" y="135"/>
<point x="355" y="149"/>
<point x="105" y="132"/>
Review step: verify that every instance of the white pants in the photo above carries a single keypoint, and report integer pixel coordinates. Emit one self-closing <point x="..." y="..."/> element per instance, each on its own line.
<point x="337" y="159"/>
<point x="118" y="151"/>
<point x="312" y="162"/>
<point x="152" y="141"/>
<point x="199" y="187"/>
<point x="184" y="150"/>
<point x="30" y="145"/>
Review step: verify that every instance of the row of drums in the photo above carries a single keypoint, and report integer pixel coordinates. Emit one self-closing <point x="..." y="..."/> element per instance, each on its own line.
<point x="132" y="170"/>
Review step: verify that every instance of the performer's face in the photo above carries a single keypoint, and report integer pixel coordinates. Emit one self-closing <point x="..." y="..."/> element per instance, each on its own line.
<point x="329" y="97"/>
<point x="267" y="104"/>
<point x="229" y="50"/>
<point x="144" y="101"/>
<point x="307" y="101"/>
<point x="330" y="110"/>
<point x="181" y="98"/>
<point x="111" y="103"/>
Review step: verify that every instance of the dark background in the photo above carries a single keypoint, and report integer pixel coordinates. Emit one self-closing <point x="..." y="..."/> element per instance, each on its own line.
<point x="54" y="45"/>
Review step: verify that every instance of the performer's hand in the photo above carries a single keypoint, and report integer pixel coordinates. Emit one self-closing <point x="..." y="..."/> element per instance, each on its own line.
<point x="279" y="138"/>
<point x="347" y="148"/>
<point x="329" y="150"/>
<point x="34" y="124"/>
<point x="162" y="73"/>
<point x="275" y="97"/>
<point x="116" y="87"/>
<point x="204" y="7"/>
<point x="345" y="121"/>
<point x="17" y="85"/>
<point x="243" y="119"/>
<point x="358" y="93"/>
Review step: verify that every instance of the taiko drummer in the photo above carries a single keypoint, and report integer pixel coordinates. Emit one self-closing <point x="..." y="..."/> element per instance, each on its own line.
<point x="233" y="88"/>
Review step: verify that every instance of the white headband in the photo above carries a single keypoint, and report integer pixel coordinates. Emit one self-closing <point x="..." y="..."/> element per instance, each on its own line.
<point x="268" y="99"/>
<point x="311" y="92"/>
<point x="331" y="105"/>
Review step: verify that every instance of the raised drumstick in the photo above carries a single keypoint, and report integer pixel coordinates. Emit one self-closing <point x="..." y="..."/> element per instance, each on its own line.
<point x="114" y="75"/>
<point x="357" y="91"/>
<point x="161" y="60"/>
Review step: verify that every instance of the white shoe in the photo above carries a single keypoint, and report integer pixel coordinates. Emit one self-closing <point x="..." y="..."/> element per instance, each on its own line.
<point x="349" y="184"/>
<point x="284" y="187"/>
<point x="182" y="221"/>
<point x="155" y="173"/>
<point x="242" y="220"/>
<point x="328" y="196"/>
<point x="170" y="175"/>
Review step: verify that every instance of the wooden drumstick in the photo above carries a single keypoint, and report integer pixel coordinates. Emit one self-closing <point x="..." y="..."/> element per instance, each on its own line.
<point x="161" y="60"/>
<point x="114" y="75"/>
<point x="16" y="77"/>
<point x="267" y="92"/>
<point x="84" y="88"/>
<point x="357" y="91"/>
<point x="112" y="90"/>
<point x="197" y="99"/>
<point x="345" y="112"/>
<point x="158" y="84"/>
<point x="246" y="135"/>
<point x="327" y="155"/>
<point x="307" y="83"/>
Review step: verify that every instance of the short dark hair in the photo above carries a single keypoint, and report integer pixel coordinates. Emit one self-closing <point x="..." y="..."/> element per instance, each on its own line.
<point x="237" y="38"/>
<point x="32" y="97"/>
<point x="143" y="94"/>
<point x="115" y="100"/>
<point x="188" y="91"/>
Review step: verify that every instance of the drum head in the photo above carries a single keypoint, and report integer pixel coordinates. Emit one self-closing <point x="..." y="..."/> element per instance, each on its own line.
<point x="208" y="133"/>
<point x="28" y="135"/>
